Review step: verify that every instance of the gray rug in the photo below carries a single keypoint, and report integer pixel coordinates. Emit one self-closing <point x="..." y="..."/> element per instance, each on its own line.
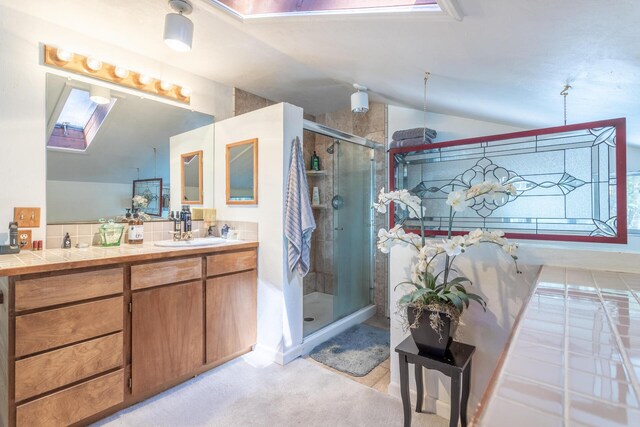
<point x="356" y="351"/>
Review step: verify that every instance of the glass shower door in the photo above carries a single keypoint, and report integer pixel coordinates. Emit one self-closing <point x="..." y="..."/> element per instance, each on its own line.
<point x="353" y="228"/>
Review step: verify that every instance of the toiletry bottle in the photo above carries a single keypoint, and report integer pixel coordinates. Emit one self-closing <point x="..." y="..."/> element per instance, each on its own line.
<point x="66" y="243"/>
<point x="127" y="215"/>
<point x="315" y="162"/>
<point x="13" y="235"/>
<point x="186" y="219"/>
<point x="136" y="229"/>
<point x="176" y="222"/>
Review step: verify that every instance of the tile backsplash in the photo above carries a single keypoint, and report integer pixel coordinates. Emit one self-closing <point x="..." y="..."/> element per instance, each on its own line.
<point x="153" y="231"/>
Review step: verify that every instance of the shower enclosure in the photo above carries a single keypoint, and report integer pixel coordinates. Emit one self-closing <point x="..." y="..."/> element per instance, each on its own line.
<point x="340" y="281"/>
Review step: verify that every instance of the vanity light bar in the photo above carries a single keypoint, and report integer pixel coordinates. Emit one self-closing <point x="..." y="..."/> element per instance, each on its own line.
<point x="93" y="67"/>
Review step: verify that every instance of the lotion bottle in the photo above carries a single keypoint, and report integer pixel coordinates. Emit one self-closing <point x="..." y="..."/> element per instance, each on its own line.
<point x="136" y="229"/>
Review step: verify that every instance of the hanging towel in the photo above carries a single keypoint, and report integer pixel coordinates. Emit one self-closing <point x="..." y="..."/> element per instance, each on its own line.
<point x="299" y="222"/>
<point x="399" y="135"/>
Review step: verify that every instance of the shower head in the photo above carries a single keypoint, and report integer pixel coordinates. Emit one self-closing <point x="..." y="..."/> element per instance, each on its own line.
<point x="330" y="148"/>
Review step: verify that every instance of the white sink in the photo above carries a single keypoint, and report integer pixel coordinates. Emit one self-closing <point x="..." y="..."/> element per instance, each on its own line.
<point x="202" y="241"/>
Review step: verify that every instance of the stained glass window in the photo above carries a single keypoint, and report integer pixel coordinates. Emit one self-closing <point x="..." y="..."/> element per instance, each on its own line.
<point x="566" y="181"/>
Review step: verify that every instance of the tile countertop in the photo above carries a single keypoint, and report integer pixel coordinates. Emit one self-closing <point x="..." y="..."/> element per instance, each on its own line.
<point x="27" y="262"/>
<point x="574" y="358"/>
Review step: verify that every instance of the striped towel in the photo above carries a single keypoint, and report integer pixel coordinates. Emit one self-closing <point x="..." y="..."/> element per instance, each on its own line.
<point x="399" y="135"/>
<point x="298" y="219"/>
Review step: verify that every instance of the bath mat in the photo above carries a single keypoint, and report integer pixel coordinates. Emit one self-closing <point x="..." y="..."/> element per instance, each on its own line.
<point x="356" y="351"/>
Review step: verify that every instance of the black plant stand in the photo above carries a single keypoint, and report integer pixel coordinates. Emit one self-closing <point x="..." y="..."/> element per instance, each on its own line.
<point x="456" y="364"/>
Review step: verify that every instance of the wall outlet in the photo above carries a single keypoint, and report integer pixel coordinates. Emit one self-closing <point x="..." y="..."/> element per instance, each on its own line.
<point x="27" y="217"/>
<point x="24" y="239"/>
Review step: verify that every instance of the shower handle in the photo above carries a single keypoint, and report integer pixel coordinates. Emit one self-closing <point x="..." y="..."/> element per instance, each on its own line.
<point x="339" y="228"/>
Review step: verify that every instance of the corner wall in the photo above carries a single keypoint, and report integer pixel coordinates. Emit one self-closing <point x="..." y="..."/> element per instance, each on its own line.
<point x="22" y="105"/>
<point x="279" y="293"/>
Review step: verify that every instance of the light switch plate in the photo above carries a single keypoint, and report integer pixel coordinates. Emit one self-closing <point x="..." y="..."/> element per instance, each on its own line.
<point x="24" y="239"/>
<point x="27" y="217"/>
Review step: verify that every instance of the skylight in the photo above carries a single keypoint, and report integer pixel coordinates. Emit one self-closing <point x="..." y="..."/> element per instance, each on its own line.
<point x="249" y="8"/>
<point x="77" y="110"/>
<point x="78" y="121"/>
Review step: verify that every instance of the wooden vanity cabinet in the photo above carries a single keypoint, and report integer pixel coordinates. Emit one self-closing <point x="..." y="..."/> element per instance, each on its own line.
<point x="231" y="304"/>
<point x="81" y="342"/>
<point x="166" y="335"/>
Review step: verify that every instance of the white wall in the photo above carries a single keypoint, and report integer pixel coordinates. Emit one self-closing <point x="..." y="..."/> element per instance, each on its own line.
<point x="96" y="199"/>
<point x="279" y="293"/>
<point x="188" y="142"/>
<point x="492" y="274"/>
<point x="22" y="105"/>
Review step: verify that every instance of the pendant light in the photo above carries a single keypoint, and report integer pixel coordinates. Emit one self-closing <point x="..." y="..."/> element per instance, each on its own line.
<point x="178" y="29"/>
<point x="100" y="94"/>
<point x="360" y="99"/>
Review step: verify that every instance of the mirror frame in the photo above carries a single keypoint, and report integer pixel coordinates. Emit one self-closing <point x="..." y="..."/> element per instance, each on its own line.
<point x="157" y="212"/>
<point x="253" y="201"/>
<point x="200" y="192"/>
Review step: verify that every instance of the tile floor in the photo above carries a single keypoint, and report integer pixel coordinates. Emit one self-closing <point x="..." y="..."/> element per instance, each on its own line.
<point x="380" y="377"/>
<point x="575" y="357"/>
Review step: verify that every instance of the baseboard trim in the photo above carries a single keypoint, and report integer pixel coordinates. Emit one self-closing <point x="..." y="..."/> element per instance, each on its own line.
<point x="277" y="356"/>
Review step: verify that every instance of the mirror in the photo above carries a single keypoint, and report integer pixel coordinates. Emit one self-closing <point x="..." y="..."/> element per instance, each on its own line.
<point x="242" y="173"/>
<point x="95" y="152"/>
<point x="191" y="173"/>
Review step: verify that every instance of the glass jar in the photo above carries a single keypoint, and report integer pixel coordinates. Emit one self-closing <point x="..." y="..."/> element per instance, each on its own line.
<point x="111" y="233"/>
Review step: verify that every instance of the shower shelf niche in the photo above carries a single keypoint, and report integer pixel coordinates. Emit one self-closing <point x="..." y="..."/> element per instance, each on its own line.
<point x="317" y="173"/>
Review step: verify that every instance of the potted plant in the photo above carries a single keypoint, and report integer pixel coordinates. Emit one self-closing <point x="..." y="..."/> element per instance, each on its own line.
<point x="438" y="295"/>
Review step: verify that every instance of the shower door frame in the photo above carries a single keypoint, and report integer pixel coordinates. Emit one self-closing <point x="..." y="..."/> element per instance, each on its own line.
<point x="339" y="325"/>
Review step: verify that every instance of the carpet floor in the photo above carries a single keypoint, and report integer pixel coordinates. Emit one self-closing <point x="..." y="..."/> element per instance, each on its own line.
<point x="355" y="351"/>
<point x="251" y="392"/>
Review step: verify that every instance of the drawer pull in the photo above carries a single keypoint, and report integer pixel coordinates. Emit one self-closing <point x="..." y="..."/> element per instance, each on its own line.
<point x="1" y="298"/>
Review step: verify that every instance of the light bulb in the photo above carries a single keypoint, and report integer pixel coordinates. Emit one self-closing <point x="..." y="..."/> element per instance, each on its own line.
<point x="144" y="79"/>
<point x="185" y="91"/>
<point x="121" y="72"/>
<point x="165" y="85"/>
<point x="94" y="64"/>
<point x="64" y="55"/>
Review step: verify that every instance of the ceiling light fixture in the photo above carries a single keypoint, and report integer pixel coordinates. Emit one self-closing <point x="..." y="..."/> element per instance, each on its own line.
<point x="178" y="29"/>
<point x="144" y="79"/>
<point x="360" y="99"/>
<point x="165" y="85"/>
<point x="91" y="66"/>
<point x="94" y="64"/>
<point x="100" y="94"/>
<point x="64" y="55"/>
<point x="121" y="72"/>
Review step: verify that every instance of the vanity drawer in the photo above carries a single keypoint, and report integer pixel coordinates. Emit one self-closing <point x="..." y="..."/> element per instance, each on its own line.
<point x="48" y="291"/>
<point x="53" y="328"/>
<point x="231" y="262"/>
<point x="44" y="372"/>
<point x="73" y="404"/>
<point x="165" y="272"/>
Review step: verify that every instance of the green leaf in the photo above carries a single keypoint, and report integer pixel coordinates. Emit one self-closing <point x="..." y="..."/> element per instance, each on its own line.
<point x="455" y="300"/>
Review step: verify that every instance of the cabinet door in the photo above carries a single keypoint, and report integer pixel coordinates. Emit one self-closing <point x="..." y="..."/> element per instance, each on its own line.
<point x="231" y="313"/>
<point x="167" y="334"/>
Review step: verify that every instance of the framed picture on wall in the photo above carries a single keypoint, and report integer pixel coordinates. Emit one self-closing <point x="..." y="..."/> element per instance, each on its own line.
<point x="147" y="196"/>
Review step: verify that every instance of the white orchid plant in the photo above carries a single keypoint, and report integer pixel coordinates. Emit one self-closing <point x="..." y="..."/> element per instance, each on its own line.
<point x="440" y="292"/>
<point x="140" y="201"/>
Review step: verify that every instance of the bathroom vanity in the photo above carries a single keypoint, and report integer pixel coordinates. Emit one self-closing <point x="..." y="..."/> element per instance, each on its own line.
<point x="87" y="332"/>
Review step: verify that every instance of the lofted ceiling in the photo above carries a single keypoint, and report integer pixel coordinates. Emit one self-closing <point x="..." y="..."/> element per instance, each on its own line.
<point x="506" y="61"/>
